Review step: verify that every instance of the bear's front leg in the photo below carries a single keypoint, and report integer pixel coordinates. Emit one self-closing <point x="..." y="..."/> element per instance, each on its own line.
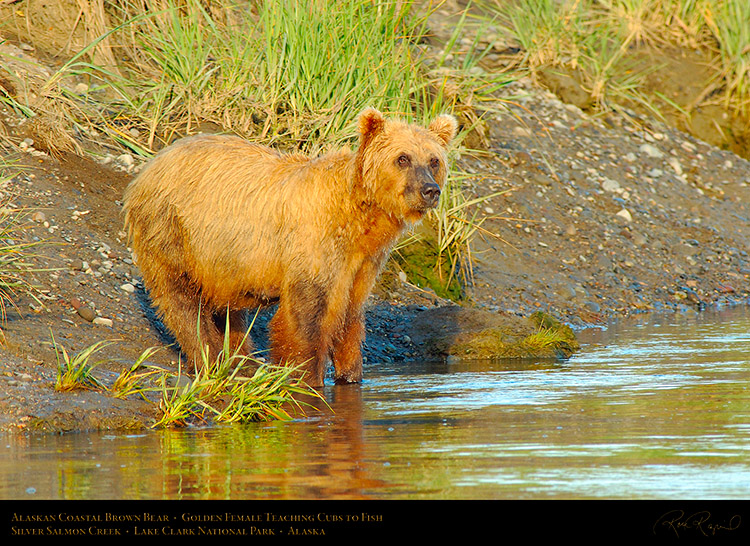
<point x="347" y="346"/>
<point x="347" y="350"/>
<point x="297" y="332"/>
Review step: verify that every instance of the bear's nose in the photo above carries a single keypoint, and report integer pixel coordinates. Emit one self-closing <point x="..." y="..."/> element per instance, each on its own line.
<point x="431" y="193"/>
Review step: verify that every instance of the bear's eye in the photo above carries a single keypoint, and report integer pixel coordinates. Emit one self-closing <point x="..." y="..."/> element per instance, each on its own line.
<point x="403" y="160"/>
<point x="434" y="163"/>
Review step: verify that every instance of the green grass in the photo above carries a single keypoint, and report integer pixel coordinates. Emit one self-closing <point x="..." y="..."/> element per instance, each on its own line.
<point x="138" y="379"/>
<point x="76" y="372"/>
<point x="220" y="392"/>
<point x="294" y="74"/>
<point x="597" y="39"/>
<point x="217" y="391"/>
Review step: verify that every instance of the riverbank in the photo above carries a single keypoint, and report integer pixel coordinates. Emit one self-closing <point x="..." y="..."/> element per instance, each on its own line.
<point x="595" y="216"/>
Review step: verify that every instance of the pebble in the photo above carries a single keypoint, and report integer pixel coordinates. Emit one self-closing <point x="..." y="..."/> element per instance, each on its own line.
<point x="86" y="313"/>
<point x="130" y="289"/>
<point x="101" y="321"/>
<point x="651" y="151"/>
<point x="688" y="146"/>
<point x="624" y="213"/>
<point x="126" y="159"/>
<point x="675" y="164"/>
<point x="593" y="306"/>
<point x="610" y="185"/>
<point x="38" y="216"/>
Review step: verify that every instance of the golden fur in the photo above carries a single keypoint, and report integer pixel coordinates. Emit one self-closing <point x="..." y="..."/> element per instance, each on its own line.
<point x="218" y="224"/>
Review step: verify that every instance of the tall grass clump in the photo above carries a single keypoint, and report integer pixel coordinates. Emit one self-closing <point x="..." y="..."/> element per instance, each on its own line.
<point x="286" y="72"/>
<point x="731" y="26"/>
<point x="585" y="37"/>
<point x="220" y="393"/>
<point x="76" y="372"/>
<point x="598" y="38"/>
<point x="220" y="390"/>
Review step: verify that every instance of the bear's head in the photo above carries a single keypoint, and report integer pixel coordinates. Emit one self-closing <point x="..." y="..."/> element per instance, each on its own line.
<point x="403" y="167"/>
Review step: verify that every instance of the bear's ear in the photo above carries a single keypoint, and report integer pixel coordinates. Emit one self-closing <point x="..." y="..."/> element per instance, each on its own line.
<point x="445" y="128"/>
<point x="371" y="122"/>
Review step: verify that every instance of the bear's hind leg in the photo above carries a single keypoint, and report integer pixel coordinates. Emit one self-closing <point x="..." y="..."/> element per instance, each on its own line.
<point x="181" y="310"/>
<point x="239" y="336"/>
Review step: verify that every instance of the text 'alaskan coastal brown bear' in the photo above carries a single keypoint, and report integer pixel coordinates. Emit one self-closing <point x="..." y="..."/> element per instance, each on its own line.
<point x="219" y="225"/>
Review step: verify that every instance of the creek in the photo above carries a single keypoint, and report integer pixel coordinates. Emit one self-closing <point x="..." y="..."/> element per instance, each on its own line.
<point x="653" y="407"/>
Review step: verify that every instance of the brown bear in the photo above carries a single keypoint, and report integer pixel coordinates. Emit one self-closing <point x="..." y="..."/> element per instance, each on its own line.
<point x="219" y="225"/>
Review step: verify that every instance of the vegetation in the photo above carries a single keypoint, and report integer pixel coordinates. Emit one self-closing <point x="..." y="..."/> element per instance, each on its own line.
<point x="76" y="372"/>
<point x="219" y="390"/>
<point x="136" y="379"/>
<point x="597" y="39"/>
<point x="283" y="72"/>
<point x="216" y="392"/>
<point x="552" y="339"/>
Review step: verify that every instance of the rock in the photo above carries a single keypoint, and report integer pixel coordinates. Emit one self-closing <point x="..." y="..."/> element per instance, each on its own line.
<point x="610" y="185"/>
<point x="459" y="332"/>
<point x="179" y="382"/>
<point x="625" y="215"/>
<point x="130" y="289"/>
<point x="568" y="292"/>
<point x="126" y="159"/>
<point x="101" y="321"/>
<point x="651" y="150"/>
<point x="86" y="313"/>
<point x="593" y="306"/>
<point x="675" y="164"/>
<point x="39" y="217"/>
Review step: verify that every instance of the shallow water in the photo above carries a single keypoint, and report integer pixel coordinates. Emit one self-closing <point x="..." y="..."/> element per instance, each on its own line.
<point x="652" y="408"/>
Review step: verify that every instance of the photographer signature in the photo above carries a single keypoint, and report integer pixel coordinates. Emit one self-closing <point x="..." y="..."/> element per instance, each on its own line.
<point x="677" y="521"/>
